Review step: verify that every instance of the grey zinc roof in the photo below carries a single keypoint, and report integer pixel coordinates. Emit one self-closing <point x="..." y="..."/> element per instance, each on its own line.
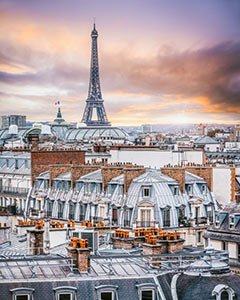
<point x="64" y="176"/>
<point x="44" y="175"/>
<point x="154" y="176"/>
<point x="92" y="177"/>
<point x="205" y="140"/>
<point x="117" y="180"/>
<point x="189" y="178"/>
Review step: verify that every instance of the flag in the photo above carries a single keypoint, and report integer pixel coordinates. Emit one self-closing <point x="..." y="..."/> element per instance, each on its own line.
<point x="57" y="103"/>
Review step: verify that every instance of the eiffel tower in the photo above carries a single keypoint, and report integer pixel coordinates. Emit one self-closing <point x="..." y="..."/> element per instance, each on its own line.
<point x="94" y="100"/>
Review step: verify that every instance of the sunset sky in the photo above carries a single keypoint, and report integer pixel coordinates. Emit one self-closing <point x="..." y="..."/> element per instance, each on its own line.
<point x="161" y="61"/>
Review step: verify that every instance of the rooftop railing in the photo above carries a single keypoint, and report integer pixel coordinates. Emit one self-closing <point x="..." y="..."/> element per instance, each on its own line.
<point x="14" y="190"/>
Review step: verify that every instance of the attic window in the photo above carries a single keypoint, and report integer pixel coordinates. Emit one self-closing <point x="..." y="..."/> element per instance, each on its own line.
<point x="65" y="293"/>
<point x="146" y="192"/>
<point x="231" y="222"/>
<point x="204" y="189"/>
<point x="107" y="292"/>
<point x="223" y="292"/>
<point x="175" y="191"/>
<point x="107" y="295"/>
<point x="22" y="293"/>
<point x="22" y="297"/>
<point x="65" y="296"/>
<point x="190" y="189"/>
<point x="147" y="294"/>
<point x="146" y="291"/>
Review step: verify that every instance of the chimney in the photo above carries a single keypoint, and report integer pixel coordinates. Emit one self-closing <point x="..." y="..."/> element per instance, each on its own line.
<point x="78" y="171"/>
<point x="4" y="233"/>
<point x="40" y="160"/>
<point x="177" y="173"/>
<point x="204" y="172"/>
<point x="130" y="174"/>
<point x="46" y="237"/>
<point x="108" y="173"/>
<point x="80" y="254"/>
<point x="56" y="170"/>
<point x="35" y="241"/>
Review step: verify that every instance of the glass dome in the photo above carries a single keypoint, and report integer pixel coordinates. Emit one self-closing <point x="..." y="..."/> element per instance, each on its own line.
<point x="84" y="133"/>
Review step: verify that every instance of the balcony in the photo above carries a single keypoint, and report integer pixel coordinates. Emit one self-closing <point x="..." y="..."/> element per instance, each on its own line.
<point x="200" y="220"/>
<point x="49" y="214"/>
<point x="140" y="224"/>
<point x="126" y="223"/>
<point x="14" y="190"/>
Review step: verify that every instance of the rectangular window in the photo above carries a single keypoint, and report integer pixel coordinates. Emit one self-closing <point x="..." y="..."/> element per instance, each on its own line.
<point x="146" y="192"/>
<point x="204" y="189"/>
<point x="176" y="191"/>
<point x="147" y="295"/>
<point x="65" y="297"/>
<point x="190" y="189"/>
<point x="224" y="246"/>
<point x="199" y="235"/>
<point x="22" y="297"/>
<point x="106" y="295"/>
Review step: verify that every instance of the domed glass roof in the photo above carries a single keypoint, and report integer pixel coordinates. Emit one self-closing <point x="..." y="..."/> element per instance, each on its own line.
<point x="84" y="133"/>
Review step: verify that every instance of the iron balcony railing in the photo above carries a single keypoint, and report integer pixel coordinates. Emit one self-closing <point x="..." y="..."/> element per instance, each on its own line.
<point x="200" y="220"/>
<point x="81" y="217"/>
<point x="126" y="223"/>
<point x="48" y="213"/>
<point x="14" y="190"/>
<point x="145" y="224"/>
<point x="71" y="216"/>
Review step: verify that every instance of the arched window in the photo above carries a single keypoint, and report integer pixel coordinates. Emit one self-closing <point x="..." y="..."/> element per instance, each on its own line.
<point x="224" y="292"/>
<point x="225" y="295"/>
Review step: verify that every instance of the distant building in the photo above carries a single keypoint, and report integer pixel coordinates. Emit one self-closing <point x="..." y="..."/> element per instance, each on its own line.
<point x="207" y="143"/>
<point x="146" y="128"/>
<point x="236" y="133"/>
<point x="224" y="234"/>
<point x="6" y="121"/>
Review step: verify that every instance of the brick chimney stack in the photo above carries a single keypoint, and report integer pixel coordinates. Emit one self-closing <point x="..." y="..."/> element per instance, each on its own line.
<point x="177" y="173"/>
<point x="35" y="241"/>
<point x="80" y="256"/>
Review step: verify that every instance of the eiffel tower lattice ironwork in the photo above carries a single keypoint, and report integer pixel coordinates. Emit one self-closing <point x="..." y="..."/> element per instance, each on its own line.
<point x="94" y="100"/>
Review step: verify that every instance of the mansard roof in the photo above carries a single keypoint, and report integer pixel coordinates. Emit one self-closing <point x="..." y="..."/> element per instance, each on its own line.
<point x="205" y="140"/>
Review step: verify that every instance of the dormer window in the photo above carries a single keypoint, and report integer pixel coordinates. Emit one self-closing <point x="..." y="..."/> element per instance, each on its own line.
<point x="147" y="294"/>
<point x="65" y="293"/>
<point x="107" y="292"/>
<point x="190" y="189"/>
<point x="204" y="189"/>
<point x="146" y="291"/>
<point x="107" y="296"/>
<point x="146" y="191"/>
<point x="22" y="294"/>
<point x="176" y="190"/>
<point x="231" y="222"/>
<point x="223" y="292"/>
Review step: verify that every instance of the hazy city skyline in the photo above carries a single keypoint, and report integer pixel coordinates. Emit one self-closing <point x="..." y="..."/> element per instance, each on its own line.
<point x="175" y="62"/>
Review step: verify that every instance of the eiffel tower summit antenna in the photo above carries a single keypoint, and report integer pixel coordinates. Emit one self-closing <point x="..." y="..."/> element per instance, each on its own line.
<point x="94" y="100"/>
